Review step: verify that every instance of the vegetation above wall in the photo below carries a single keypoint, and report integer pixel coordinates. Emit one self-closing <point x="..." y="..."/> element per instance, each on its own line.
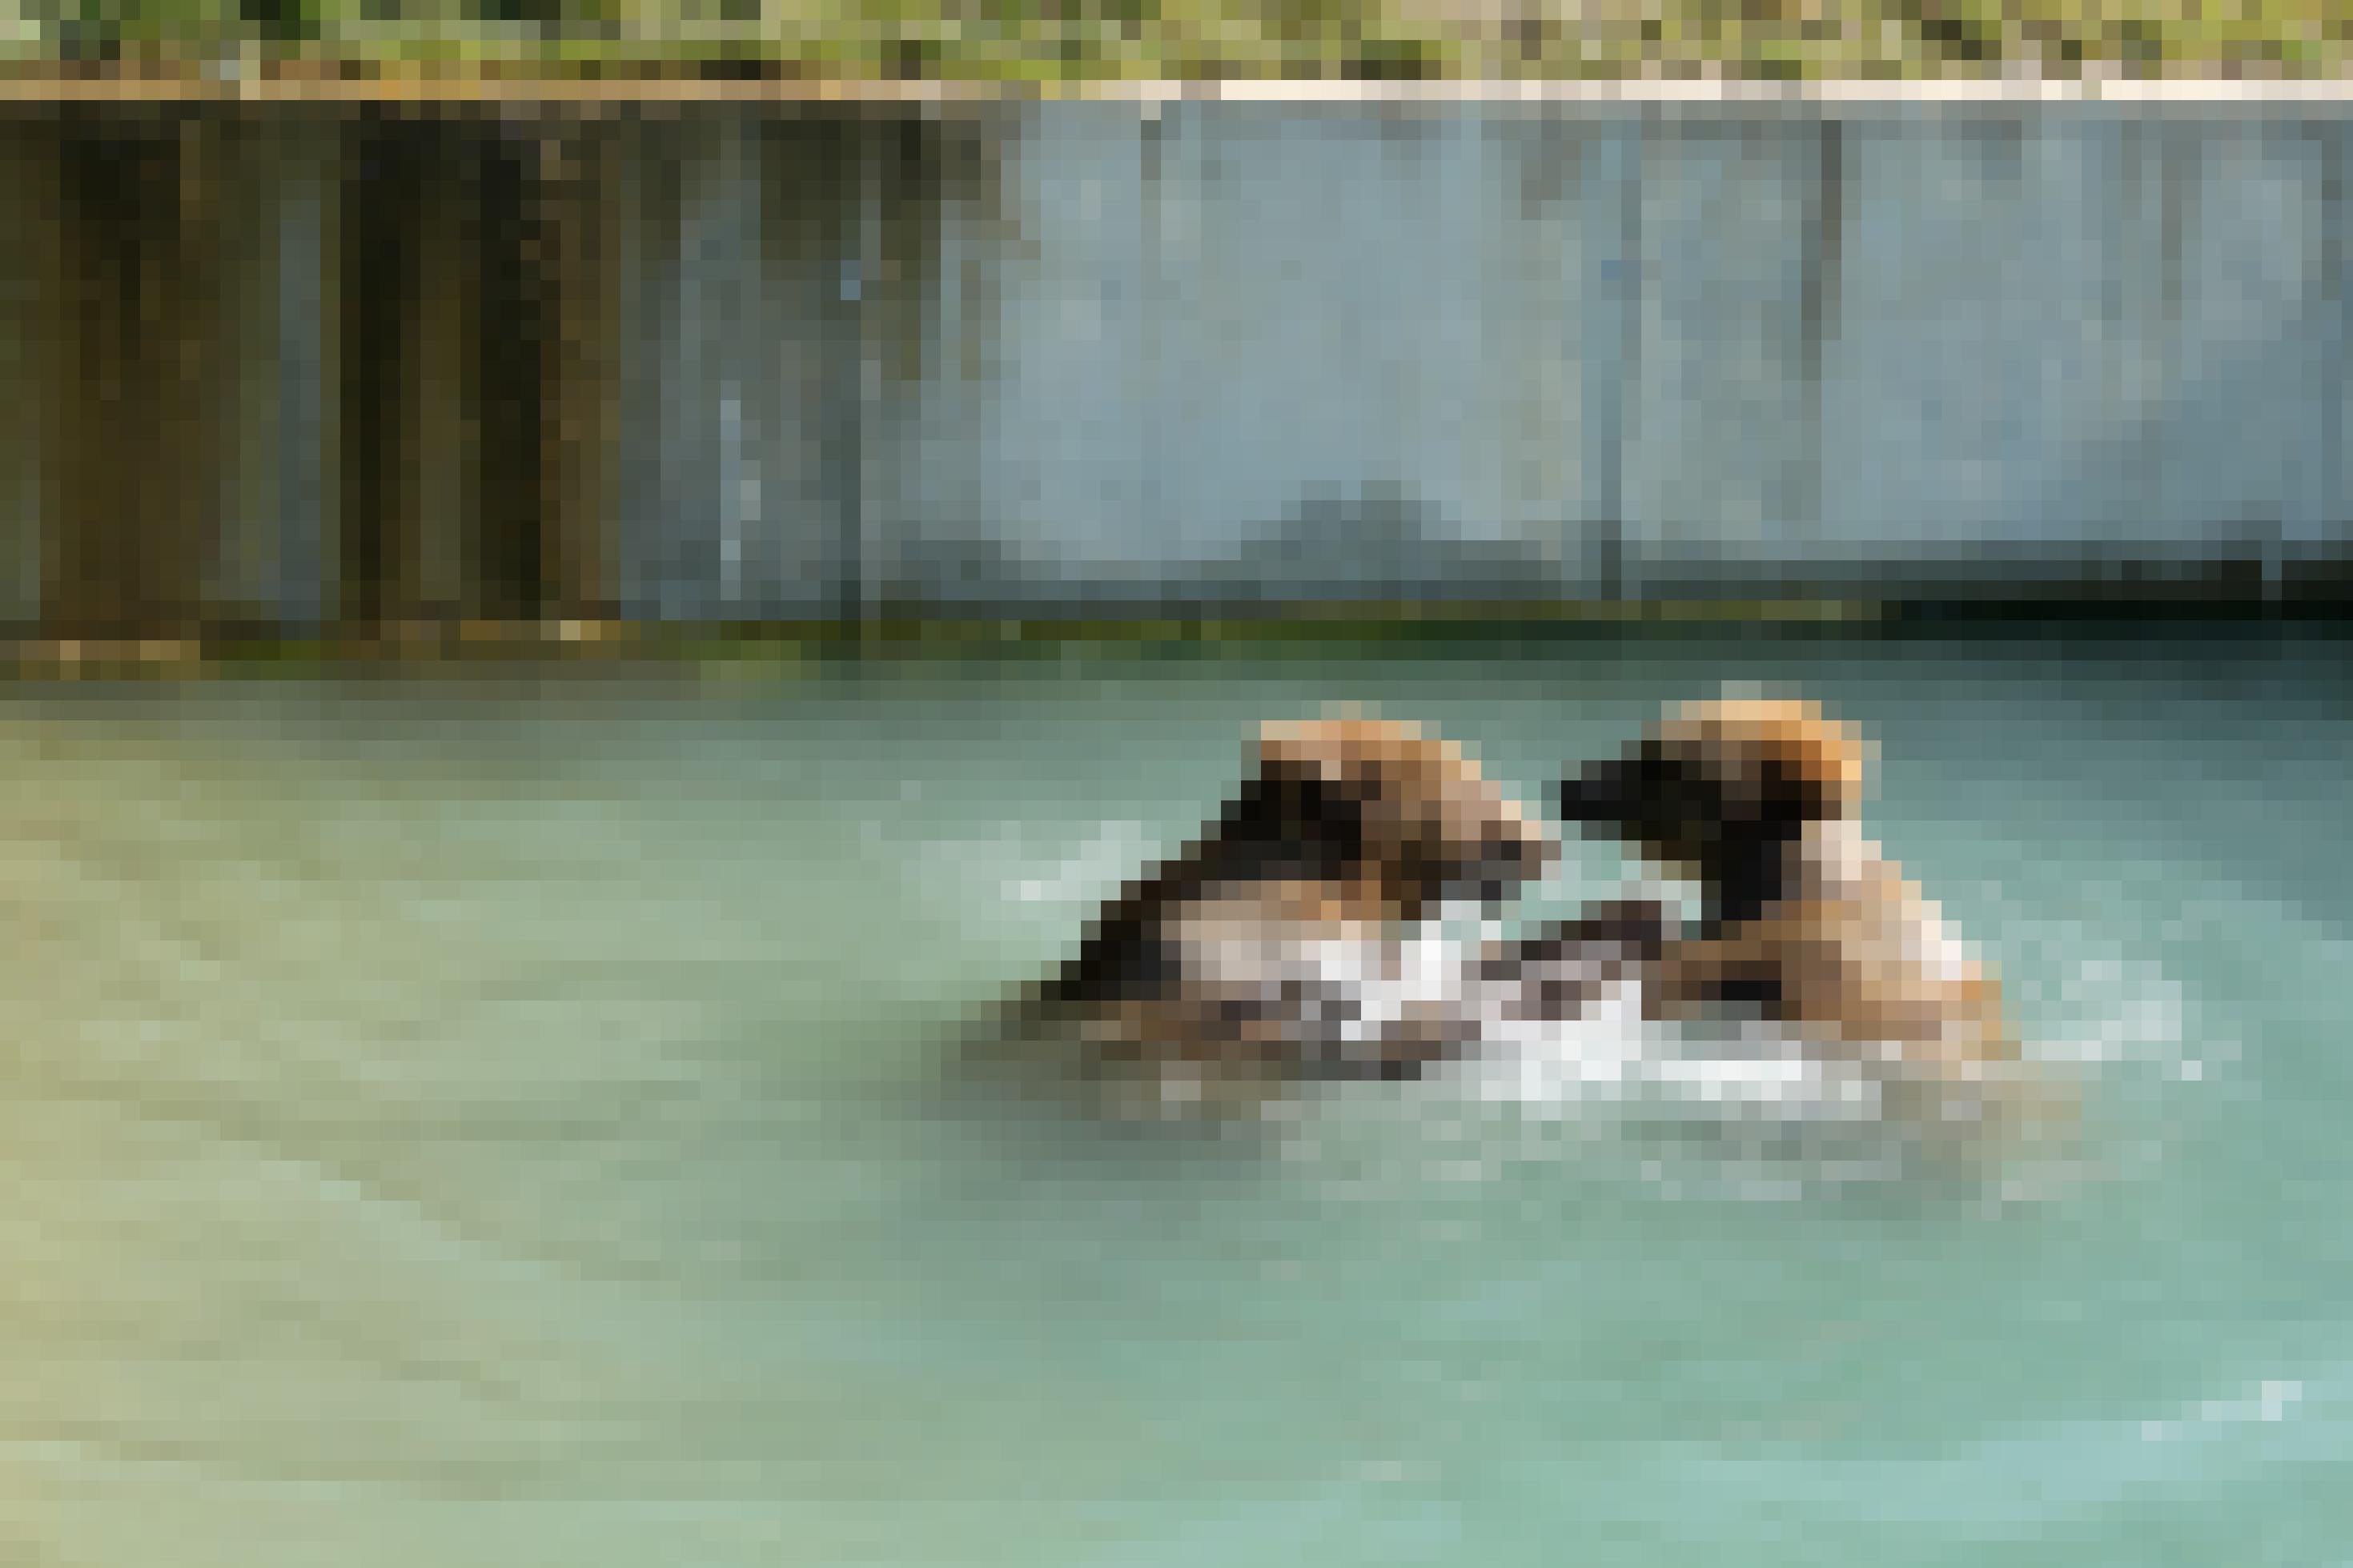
<point x="1044" y="45"/>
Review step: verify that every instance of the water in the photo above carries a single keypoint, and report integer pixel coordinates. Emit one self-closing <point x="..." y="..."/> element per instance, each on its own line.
<point x="464" y="1121"/>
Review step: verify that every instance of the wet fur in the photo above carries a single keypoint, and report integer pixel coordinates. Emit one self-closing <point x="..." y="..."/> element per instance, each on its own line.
<point x="1347" y="831"/>
<point x="1804" y="922"/>
<point x="1566" y="967"/>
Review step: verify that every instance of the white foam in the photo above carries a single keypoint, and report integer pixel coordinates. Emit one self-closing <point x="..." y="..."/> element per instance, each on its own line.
<point x="2269" y="1402"/>
<point x="1610" y="1057"/>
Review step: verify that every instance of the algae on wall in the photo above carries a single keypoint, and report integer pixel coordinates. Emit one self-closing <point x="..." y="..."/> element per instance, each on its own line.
<point x="476" y="278"/>
<point x="134" y="242"/>
<point x="739" y="362"/>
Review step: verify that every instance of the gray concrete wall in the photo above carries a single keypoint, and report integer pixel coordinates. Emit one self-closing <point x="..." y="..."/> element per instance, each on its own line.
<point x="1100" y="353"/>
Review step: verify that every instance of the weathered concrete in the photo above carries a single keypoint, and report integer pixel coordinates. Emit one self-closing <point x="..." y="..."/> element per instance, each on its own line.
<point x="746" y="361"/>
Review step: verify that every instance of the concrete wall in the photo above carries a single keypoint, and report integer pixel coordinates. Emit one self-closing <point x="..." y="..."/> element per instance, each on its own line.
<point x="1099" y="353"/>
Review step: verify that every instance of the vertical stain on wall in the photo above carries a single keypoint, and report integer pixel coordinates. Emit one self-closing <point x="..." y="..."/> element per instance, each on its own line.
<point x="479" y="368"/>
<point x="378" y="261"/>
<point x="133" y="268"/>
<point x="369" y="365"/>
<point x="27" y="203"/>
<point x="580" y="246"/>
<point x="1825" y="254"/>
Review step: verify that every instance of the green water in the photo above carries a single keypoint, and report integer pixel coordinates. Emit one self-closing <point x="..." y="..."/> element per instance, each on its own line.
<point x="473" y="1122"/>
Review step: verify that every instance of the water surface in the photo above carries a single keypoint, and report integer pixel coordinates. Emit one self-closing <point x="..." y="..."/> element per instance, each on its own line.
<point x="468" y="1120"/>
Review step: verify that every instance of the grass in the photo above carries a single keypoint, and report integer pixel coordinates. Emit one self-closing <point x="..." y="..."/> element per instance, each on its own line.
<point x="1050" y="45"/>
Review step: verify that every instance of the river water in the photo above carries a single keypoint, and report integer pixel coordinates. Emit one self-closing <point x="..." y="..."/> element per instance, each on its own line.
<point x="508" y="1120"/>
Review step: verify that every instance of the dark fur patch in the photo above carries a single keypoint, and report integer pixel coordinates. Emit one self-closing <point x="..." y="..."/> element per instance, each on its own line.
<point x="1681" y="804"/>
<point x="1287" y="827"/>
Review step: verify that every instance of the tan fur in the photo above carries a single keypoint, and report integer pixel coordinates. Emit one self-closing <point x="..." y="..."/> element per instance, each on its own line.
<point x="1849" y="952"/>
<point x="1348" y="830"/>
